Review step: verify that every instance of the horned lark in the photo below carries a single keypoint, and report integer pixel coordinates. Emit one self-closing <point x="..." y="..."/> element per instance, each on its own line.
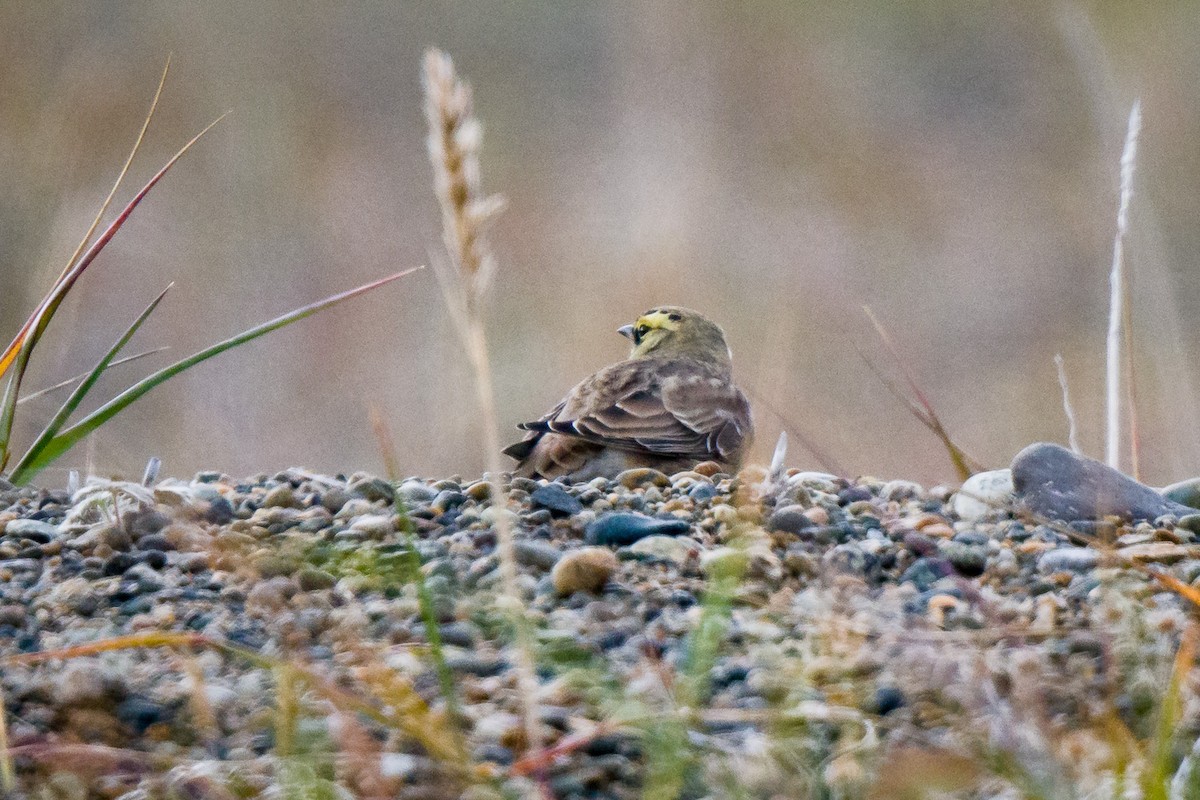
<point x="670" y="405"/>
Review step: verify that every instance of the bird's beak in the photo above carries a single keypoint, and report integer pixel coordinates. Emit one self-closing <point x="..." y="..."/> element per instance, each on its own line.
<point x="626" y="331"/>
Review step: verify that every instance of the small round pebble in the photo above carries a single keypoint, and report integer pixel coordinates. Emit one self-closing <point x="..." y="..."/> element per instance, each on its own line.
<point x="587" y="569"/>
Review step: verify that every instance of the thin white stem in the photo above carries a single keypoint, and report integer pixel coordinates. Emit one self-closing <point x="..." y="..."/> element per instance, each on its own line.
<point x="1117" y="291"/>
<point x="1072" y="428"/>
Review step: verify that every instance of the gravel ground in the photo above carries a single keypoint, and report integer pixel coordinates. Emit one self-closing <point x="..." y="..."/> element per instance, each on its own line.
<point x="695" y="635"/>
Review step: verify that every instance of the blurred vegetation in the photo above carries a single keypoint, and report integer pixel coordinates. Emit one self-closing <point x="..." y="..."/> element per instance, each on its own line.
<point x="773" y="164"/>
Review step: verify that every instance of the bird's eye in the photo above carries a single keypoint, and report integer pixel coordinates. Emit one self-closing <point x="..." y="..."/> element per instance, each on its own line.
<point x="674" y="317"/>
<point x="642" y="330"/>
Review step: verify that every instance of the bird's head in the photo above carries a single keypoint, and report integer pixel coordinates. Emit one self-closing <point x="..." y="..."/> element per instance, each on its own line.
<point x="670" y="331"/>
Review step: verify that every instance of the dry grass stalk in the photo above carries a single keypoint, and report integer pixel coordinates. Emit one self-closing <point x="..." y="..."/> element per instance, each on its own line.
<point x="920" y="408"/>
<point x="1118" y="295"/>
<point x="7" y="775"/>
<point x="1068" y="409"/>
<point x="455" y="136"/>
<point x="824" y="459"/>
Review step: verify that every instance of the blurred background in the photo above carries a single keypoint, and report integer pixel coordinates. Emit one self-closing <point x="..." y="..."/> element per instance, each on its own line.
<point x="776" y="165"/>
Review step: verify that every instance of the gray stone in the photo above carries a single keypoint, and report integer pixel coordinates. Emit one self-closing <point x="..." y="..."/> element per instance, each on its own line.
<point x="1053" y="482"/>
<point x="533" y="553"/>
<point x="790" y="519"/>
<point x="623" y="528"/>
<point x="556" y="499"/>
<point x="32" y="529"/>
<point x="1069" y="559"/>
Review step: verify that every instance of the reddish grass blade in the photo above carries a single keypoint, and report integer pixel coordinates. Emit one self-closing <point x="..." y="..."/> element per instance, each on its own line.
<point x="10" y="353"/>
<point x="922" y="409"/>
<point x="22" y="346"/>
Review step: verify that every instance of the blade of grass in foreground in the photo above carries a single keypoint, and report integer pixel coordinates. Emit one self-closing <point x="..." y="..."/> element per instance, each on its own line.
<point x="76" y="397"/>
<point x="68" y="438"/>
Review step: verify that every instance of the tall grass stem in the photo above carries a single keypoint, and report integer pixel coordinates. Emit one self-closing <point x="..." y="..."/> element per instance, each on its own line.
<point x="1118" y="292"/>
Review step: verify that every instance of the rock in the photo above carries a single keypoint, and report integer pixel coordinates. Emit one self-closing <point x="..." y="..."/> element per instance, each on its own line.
<point x="1156" y="552"/>
<point x="981" y="493"/>
<point x="219" y="511"/>
<point x="969" y="560"/>
<point x="674" y="549"/>
<point x="624" y="528"/>
<point x="533" y="553"/>
<point x="448" y="499"/>
<point x="885" y="700"/>
<point x="1053" y="482"/>
<point x="1185" y="493"/>
<point x="272" y="566"/>
<point x="32" y="529"/>
<point x="479" y="491"/>
<point x="554" y="497"/>
<point x="900" y="490"/>
<point x="373" y="489"/>
<point x="283" y="496"/>
<point x="755" y="562"/>
<point x="312" y="580"/>
<point x="642" y="476"/>
<point x="1068" y="559"/>
<point x="415" y="492"/>
<point x="924" y="572"/>
<point x="790" y="519"/>
<point x="374" y="526"/>
<point x="585" y="570"/>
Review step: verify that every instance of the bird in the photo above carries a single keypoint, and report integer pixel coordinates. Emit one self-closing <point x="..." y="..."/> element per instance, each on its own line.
<point x="670" y="405"/>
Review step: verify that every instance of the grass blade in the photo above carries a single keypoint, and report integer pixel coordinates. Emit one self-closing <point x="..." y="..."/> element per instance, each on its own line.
<point x="923" y="409"/>
<point x="10" y="353"/>
<point x="76" y="378"/>
<point x="22" y="346"/>
<point x="1157" y="778"/>
<point x="72" y="435"/>
<point x="76" y="397"/>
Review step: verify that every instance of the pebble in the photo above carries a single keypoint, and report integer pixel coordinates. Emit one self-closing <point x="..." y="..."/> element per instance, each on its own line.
<point x="1068" y="559"/>
<point x="845" y="599"/>
<point x="1185" y="492"/>
<point x="533" y="553"/>
<point x="673" y="549"/>
<point x="642" y="476"/>
<point x="1156" y="552"/>
<point x="558" y="500"/>
<point x="587" y="569"/>
<point x="623" y="528"/>
<point x="32" y="529"/>
<point x="790" y="519"/>
<point x="983" y="493"/>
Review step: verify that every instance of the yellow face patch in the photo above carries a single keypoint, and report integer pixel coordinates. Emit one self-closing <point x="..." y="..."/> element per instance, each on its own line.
<point x="652" y="320"/>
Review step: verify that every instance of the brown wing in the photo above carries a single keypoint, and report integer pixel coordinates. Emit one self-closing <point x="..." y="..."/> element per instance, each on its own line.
<point x="678" y="408"/>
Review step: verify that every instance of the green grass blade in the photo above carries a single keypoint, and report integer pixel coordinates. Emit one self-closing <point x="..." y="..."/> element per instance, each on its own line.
<point x="72" y="435"/>
<point x="28" y="398"/>
<point x="76" y="397"/>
